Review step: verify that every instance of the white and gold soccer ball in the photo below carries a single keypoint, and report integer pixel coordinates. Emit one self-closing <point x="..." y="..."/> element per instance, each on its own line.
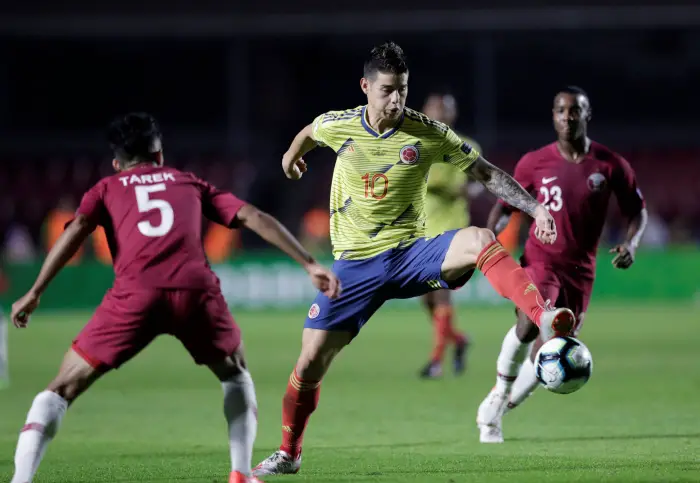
<point x="563" y="365"/>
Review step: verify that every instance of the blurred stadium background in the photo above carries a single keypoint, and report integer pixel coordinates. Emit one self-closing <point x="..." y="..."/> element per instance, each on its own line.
<point x="232" y="82"/>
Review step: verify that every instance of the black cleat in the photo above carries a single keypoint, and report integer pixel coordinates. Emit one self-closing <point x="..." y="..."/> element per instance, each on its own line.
<point x="432" y="370"/>
<point x="459" y="364"/>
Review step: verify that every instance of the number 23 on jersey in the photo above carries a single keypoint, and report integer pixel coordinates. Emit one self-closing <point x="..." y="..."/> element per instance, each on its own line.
<point x="552" y="197"/>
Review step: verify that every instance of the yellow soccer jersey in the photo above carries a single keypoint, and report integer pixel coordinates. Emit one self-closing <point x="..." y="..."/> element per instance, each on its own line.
<point x="445" y="205"/>
<point x="379" y="181"/>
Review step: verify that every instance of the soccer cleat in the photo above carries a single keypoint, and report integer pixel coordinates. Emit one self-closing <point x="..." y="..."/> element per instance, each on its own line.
<point x="278" y="463"/>
<point x="238" y="477"/>
<point x="432" y="370"/>
<point x="459" y="363"/>
<point x="556" y="322"/>
<point x="489" y="416"/>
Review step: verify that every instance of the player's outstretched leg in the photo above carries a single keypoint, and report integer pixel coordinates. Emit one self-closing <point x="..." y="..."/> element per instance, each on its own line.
<point x="241" y="412"/>
<point x="440" y="308"/>
<point x="514" y="350"/>
<point x="318" y="349"/>
<point x="477" y="247"/>
<point x="47" y="411"/>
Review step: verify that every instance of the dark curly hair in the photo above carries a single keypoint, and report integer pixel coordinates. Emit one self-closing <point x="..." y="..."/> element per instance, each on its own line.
<point x="387" y="58"/>
<point x="134" y="138"/>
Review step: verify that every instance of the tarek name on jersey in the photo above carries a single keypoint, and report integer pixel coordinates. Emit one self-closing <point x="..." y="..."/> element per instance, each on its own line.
<point x="379" y="182"/>
<point x="146" y="178"/>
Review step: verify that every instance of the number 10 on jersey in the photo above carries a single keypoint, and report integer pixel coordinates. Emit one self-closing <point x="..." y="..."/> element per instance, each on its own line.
<point x="376" y="185"/>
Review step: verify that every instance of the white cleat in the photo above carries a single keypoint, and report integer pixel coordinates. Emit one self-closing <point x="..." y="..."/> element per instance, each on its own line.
<point x="556" y="322"/>
<point x="489" y="416"/>
<point x="279" y="463"/>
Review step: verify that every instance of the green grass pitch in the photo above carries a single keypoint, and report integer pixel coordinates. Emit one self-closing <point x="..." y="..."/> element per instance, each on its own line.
<point x="159" y="419"/>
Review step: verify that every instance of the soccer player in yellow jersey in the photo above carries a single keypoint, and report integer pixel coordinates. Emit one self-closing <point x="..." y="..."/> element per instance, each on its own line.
<point x="377" y="210"/>
<point x="446" y="209"/>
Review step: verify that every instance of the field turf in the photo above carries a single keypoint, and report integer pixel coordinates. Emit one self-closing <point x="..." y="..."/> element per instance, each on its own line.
<point x="159" y="418"/>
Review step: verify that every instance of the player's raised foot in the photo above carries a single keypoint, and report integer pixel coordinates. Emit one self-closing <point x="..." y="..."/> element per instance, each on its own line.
<point x="278" y="463"/>
<point x="238" y="477"/>
<point x="432" y="370"/>
<point x="489" y="416"/>
<point x="556" y="322"/>
<point x="459" y="363"/>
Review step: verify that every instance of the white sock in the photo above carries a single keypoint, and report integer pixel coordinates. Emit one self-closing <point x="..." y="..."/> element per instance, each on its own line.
<point x="43" y="420"/>
<point x="524" y="385"/>
<point x="241" y="411"/>
<point x="513" y="353"/>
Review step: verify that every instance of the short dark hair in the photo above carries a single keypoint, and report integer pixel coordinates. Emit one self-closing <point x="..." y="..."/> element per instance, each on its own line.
<point x="574" y="90"/>
<point x="134" y="137"/>
<point x="387" y="58"/>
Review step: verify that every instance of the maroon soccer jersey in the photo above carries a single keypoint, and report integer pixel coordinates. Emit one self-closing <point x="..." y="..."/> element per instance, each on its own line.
<point x="577" y="196"/>
<point x="152" y="217"/>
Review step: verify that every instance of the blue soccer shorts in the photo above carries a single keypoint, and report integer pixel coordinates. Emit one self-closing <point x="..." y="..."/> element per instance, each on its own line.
<point x="399" y="273"/>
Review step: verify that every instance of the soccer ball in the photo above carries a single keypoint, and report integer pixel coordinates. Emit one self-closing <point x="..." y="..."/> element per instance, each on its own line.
<point x="563" y="365"/>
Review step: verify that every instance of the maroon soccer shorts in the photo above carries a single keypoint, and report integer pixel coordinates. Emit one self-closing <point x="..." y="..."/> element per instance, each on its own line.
<point x="128" y="320"/>
<point x="563" y="290"/>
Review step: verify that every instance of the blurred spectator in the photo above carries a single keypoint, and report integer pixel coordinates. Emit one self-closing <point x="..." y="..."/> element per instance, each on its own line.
<point x="657" y="234"/>
<point x="19" y="246"/>
<point x="220" y="243"/>
<point x="55" y="224"/>
<point x="315" y="231"/>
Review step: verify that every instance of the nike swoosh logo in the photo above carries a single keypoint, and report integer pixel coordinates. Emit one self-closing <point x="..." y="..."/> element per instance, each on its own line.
<point x="548" y="180"/>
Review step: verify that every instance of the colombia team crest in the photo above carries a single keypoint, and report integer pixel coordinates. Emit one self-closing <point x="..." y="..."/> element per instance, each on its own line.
<point x="409" y="154"/>
<point x="314" y="310"/>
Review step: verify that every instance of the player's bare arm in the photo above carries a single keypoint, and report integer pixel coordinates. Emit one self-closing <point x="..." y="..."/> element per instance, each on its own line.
<point x="625" y="252"/>
<point x="66" y="246"/>
<point x="498" y="219"/>
<point x="292" y="163"/>
<point x="506" y="188"/>
<point x="275" y="233"/>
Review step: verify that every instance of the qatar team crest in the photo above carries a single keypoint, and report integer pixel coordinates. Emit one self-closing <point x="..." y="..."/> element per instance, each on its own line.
<point x="314" y="310"/>
<point x="597" y="182"/>
<point x="409" y="154"/>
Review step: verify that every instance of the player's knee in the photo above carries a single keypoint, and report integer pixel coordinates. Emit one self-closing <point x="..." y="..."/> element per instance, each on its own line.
<point x="525" y="329"/>
<point x="312" y="365"/>
<point x="68" y="389"/>
<point x="318" y="349"/>
<point x="483" y="236"/>
<point x="314" y="361"/>
<point x="232" y="366"/>
<point x="474" y="239"/>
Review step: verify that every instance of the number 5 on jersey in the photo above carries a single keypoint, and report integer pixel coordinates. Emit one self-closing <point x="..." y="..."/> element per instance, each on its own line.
<point x="145" y="203"/>
<point x="376" y="186"/>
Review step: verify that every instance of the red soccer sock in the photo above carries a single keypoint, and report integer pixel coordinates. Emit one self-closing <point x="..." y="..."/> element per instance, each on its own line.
<point x="510" y="280"/>
<point x="300" y="400"/>
<point x="442" y="328"/>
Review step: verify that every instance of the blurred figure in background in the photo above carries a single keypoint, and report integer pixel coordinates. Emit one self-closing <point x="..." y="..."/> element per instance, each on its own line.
<point x="220" y="243"/>
<point x="4" y="368"/>
<point x="55" y="223"/>
<point x="18" y="245"/>
<point x="315" y="231"/>
<point x="446" y="208"/>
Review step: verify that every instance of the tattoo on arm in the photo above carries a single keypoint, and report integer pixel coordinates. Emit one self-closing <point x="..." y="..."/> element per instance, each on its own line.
<point x="503" y="185"/>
